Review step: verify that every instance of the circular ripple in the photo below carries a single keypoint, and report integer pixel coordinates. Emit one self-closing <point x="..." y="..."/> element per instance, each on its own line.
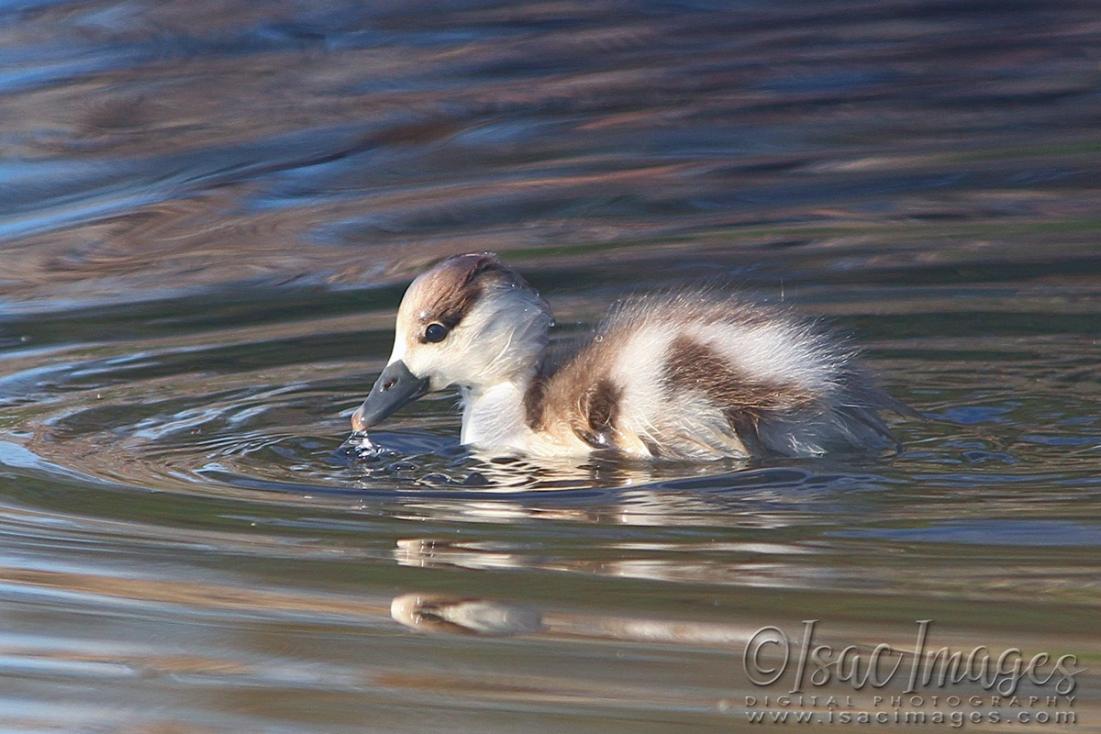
<point x="260" y="415"/>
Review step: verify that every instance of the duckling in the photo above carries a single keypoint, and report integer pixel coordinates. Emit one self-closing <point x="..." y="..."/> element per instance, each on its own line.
<point x="685" y="375"/>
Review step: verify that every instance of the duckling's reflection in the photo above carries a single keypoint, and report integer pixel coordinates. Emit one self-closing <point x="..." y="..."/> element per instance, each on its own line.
<point x="470" y="486"/>
<point x="441" y="614"/>
<point x="472" y="468"/>
<point x="468" y="616"/>
<point x="742" y="563"/>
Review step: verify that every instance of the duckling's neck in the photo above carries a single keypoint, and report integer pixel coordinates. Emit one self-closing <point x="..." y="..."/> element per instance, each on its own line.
<point x="494" y="415"/>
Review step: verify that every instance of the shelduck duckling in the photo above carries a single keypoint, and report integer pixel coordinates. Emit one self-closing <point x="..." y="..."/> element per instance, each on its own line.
<point x="692" y="374"/>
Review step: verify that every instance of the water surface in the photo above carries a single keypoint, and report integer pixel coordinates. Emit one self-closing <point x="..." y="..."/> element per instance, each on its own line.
<point x="208" y="212"/>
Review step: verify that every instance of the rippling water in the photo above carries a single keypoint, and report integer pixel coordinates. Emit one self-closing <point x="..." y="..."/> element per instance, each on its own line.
<point x="208" y="212"/>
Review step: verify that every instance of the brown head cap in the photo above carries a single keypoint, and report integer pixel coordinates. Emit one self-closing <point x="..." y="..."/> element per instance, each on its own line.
<point x="447" y="292"/>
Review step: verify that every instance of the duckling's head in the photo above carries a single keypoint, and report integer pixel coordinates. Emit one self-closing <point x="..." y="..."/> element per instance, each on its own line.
<point x="470" y="321"/>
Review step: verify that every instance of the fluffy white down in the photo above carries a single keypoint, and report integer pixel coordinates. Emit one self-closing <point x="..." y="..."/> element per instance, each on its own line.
<point x="494" y="352"/>
<point x="771" y="346"/>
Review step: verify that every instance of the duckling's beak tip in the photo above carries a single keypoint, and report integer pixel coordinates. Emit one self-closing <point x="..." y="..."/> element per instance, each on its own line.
<point x="395" y="387"/>
<point x="358" y="424"/>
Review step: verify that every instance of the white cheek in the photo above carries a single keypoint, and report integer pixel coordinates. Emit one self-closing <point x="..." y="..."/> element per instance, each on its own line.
<point x="399" y="348"/>
<point x="417" y="362"/>
<point x="415" y="356"/>
<point x="418" y="358"/>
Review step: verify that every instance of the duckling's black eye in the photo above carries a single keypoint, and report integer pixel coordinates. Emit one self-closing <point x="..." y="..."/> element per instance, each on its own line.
<point x="435" y="333"/>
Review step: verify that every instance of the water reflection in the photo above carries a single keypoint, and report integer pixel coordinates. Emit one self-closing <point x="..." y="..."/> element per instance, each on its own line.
<point x="208" y="212"/>
<point x="311" y="134"/>
<point x="434" y="613"/>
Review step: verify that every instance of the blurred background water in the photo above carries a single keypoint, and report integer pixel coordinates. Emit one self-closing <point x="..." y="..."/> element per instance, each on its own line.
<point x="209" y="210"/>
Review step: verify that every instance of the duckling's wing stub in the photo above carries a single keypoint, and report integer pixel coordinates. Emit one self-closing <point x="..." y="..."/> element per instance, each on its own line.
<point x="698" y="375"/>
